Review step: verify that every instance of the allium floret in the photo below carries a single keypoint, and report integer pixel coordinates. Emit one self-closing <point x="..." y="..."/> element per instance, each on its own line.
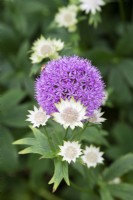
<point x="70" y="77"/>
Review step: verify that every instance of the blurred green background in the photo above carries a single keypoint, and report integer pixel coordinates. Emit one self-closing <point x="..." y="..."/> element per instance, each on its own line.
<point x="109" y="46"/>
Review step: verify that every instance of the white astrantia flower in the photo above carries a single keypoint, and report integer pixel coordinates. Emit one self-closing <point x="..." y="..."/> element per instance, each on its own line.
<point x="67" y="17"/>
<point x="37" y="117"/>
<point x="45" y="48"/>
<point x="70" y="151"/>
<point x="70" y="113"/>
<point x="92" y="156"/>
<point x="96" y="117"/>
<point x="91" y="5"/>
<point x="105" y="98"/>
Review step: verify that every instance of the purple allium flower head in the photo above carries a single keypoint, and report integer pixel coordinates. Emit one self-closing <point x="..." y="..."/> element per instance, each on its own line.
<point x="70" y="77"/>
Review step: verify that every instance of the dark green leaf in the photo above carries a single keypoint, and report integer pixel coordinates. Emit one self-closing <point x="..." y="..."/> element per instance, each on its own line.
<point x="119" y="167"/>
<point x="122" y="191"/>
<point x="8" y="153"/>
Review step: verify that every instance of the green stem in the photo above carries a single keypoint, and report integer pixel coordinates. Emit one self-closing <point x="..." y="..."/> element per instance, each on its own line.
<point x="77" y="135"/>
<point x="66" y="134"/>
<point x="122" y="12"/>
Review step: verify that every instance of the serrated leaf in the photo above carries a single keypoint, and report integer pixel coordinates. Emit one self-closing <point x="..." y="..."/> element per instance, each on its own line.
<point x="119" y="167"/>
<point x="26" y="141"/>
<point x="123" y="191"/>
<point x="56" y="132"/>
<point x="60" y="173"/>
<point x="39" y="144"/>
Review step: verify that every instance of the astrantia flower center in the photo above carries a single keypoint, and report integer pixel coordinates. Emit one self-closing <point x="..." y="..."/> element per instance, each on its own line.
<point x="70" y="115"/>
<point x="40" y="117"/>
<point x="70" y="152"/>
<point x="92" y="157"/>
<point x="68" y="18"/>
<point x="46" y="49"/>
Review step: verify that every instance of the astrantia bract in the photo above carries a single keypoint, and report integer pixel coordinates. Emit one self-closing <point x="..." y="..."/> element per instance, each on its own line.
<point x="70" y="77"/>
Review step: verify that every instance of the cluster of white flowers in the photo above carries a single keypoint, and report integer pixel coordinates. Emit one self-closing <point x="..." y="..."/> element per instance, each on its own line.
<point x="70" y="151"/>
<point x="70" y="113"/>
<point x="67" y="16"/>
<point x="45" y="48"/>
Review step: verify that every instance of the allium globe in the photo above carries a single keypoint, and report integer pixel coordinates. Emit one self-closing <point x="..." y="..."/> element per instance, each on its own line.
<point x="69" y="77"/>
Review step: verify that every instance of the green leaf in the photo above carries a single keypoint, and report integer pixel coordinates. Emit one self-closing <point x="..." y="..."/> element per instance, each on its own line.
<point x="105" y="193"/>
<point x="118" y="84"/>
<point x="122" y="133"/>
<point x="56" y="132"/>
<point x="127" y="70"/>
<point x="61" y="172"/>
<point x="119" y="167"/>
<point x="39" y="144"/>
<point x="95" y="19"/>
<point x="15" y="117"/>
<point x="8" y="153"/>
<point x="125" y="43"/>
<point x="11" y="98"/>
<point x="122" y="191"/>
<point x="94" y="135"/>
<point x="25" y="141"/>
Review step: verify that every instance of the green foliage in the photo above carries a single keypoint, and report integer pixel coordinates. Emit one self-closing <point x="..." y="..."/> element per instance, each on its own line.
<point x="61" y="171"/>
<point x="104" y="38"/>
<point x="39" y="144"/>
<point x="122" y="191"/>
<point x="119" y="167"/>
<point x="8" y="153"/>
